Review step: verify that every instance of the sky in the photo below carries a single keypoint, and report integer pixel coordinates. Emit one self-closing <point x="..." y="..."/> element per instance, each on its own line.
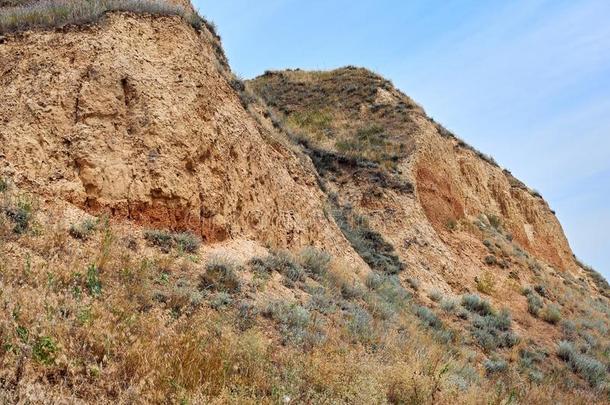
<point x="526" y="81"/>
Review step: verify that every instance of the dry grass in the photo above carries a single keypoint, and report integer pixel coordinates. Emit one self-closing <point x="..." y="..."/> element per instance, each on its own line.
<point x="58" y="13"/>
<point x="90" y="320"/>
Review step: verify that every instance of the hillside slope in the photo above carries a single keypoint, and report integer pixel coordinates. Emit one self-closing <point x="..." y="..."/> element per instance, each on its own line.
<point x="170" y="234"/>
<point x="459" y="222"/>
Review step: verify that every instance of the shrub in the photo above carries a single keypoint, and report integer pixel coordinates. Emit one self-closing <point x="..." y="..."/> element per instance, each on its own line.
<point x="379" y="308"/>
<point x="590" y="340"/>
<point x="587" y="367"/>
<point x="262" y="266"/>
<point x="351" y="290"/>
<point x="597" y="278"/>
<point x="83" y="230"/>
<point x="495" y="221"/>
<point x="360" y="325"/>
<point x="284" y="263"/>
<point x="565" y="350"/>
<point x="551" y="314"/>
<point x="322" y="302"/>
<point x="373" y="281"/>
<point x="311" y="262"/>
<point x="187" y="242"/>
<point x="529" y="358"/>
<point x="247" y="313"/>
<point x="541" y="290"/>
<point x="295" y="323"/>
<point x="568" y="328"/>
<point x="388" y="296"/>
<point x="220" y="275"/>
<point x="495" y="366"/>
<point x="534" y="302"/>
<point x="493" y="331"/>
<point x="448" y="304"/>
<point x="428" y="317"/>
<point x="315" y="262"/>
<point x="221" y="300"/>
<point x="165" y="240"/>
<point x="161" y="239"/>
<point x="57" y="13"/>
<point x="474" y="303"/>
<point x="491" y="260"/>
<point x="3" y="185"/>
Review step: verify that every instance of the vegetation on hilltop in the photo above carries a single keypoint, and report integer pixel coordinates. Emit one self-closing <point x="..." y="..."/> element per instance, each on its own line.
<point x="26" y="15"/>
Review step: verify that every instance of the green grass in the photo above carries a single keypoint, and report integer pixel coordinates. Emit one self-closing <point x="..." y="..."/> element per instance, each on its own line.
<point x="58" y="13"/>
<point x="44" y="350"/>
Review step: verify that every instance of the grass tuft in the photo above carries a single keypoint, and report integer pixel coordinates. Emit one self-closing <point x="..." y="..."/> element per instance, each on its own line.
<point x="315" y="262"/>
<point x="220" y="275"/>
<point x="551" y="314"/>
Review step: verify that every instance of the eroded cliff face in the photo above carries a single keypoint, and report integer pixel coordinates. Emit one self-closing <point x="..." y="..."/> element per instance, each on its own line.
<point x="136" y="117"/>
<point x="454" y="183"/>
<point x="455" y="218"/>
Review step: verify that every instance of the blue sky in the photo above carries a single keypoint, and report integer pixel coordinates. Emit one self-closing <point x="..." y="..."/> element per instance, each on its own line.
<point x="527" y="81"/>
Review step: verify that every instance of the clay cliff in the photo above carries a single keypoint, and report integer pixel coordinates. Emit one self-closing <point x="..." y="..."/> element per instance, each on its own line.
<point x="135" y="117"/>
<point x="169" y="233"/>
